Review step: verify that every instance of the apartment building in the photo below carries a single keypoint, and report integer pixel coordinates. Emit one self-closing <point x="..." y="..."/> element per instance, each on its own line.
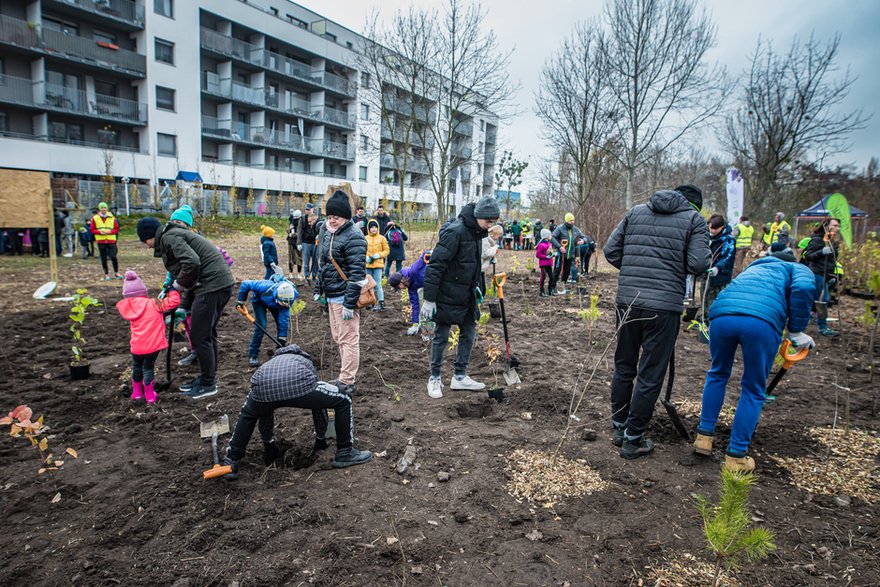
<point x="261" y="95"/>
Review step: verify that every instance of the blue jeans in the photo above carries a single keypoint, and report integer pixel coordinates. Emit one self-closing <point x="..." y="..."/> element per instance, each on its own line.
<point x="821" y="299"/>
<point x="310" y="260"/>
<point x="376" y="272"/>
<point x="760" y="343"/>
<point x="260" y="318"/>
<point x="388" y="263"/>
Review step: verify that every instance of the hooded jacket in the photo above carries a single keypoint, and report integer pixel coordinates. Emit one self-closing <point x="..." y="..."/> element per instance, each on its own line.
<point x="268" y="251"/>
<point x="818" y="262"/>
<point x="453" y="272"/>
<point x="569" y="232"/>
<point x="383" y="221"/>
<point x="655" y="246"/>
<point x="415" y="277"/>
<point x="723" y="249"/>
<point x="289" y="374"/>
<point x="264" y="293"/>
<point x="544" y="253"/>
<point x="350" y="252"/>
<point x="192" y="259"/>
<point x="398" y="252"/>
<point x="376" y="244"/>
<point x="147" y="322"/>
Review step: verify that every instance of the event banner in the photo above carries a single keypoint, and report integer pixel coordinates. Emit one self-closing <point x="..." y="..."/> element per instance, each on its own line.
<point x="734" y="195"/>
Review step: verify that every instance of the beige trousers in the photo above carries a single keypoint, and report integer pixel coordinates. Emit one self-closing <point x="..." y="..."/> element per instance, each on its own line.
<point x="346" y="334"/>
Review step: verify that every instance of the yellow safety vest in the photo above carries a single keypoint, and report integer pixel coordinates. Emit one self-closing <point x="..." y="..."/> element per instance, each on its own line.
<point x="778" y="227"/>
<point x="744" y="237"/>
<point x="107" y="223"/>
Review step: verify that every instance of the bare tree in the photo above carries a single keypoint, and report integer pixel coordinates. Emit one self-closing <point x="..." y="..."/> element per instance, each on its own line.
<point x="507" y="177"/>
<point x="788" y="115"/>
<point x="656" y="56"/>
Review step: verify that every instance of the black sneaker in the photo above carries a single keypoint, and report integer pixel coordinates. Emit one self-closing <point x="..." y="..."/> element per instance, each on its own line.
<point x="349" y="457"/>
<point x="200" y="391"/>
<point x="253" y="361"/>
<point x="234" y="464"/>
<point x="641" y="448"/>
<point x="617" y="436"/>
<point x="272" y="453"/>
<point x="187" y="386"/>
<point x="320" y="444"/>
<point x="188" y="360"/>
<point x="542" y="295"/>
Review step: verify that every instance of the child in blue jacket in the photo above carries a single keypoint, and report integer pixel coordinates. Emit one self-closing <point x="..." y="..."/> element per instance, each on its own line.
<point x="413" y="279"/>
<point x="268" y="296"/>
<point x="751" y="312"/>
<point x="268" y="250"/>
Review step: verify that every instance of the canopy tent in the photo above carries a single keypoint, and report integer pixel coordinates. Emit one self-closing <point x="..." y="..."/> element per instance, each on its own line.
<point x="818" y="211"/>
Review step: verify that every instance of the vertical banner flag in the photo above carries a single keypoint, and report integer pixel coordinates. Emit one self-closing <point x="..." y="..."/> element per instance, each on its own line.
<point x="837" y="207"/>
<point x="734" y="195"/>
<point x="458" y="192"/>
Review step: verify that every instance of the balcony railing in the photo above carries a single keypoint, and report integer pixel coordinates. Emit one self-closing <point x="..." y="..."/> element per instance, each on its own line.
<point x="463" y="128"/>
<point x="414" y="138"/>
<point x="406" y="107"/>
<point x="491" y="136"/>
<point x="413" y="164"/>
<point x="460" y="150"/>
<point x="263" y="58"/>
<point x="263" y="137"/>
<point x="121" y="10"/>
<point x="72" y="141"/>
<point x="80" y="49"/>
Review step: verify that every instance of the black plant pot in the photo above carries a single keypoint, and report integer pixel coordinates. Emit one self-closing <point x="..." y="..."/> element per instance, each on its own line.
<point x="497" y="393"/>
<point x="79" y="371"/>
<point x="689" y="314"/>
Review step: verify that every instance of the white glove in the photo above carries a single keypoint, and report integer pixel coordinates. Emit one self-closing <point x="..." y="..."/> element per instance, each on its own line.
<point x="177" y="286"/>
<point x="375" y="256"/>
<point x="712" y="272"/>
<point x="800" y="339"/>
<point x="299" y="247"/>
<point x="414" y="329"/>
<point x="326" y="387"/>
<point x="347" y="314"/>
<point x="316" y="297"/>
<point x="827" y="250"/>
<point x="428" y="311"/>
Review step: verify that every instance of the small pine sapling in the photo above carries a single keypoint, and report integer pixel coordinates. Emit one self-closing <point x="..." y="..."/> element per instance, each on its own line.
<point x="530" y="264"/>
<point x="453" y="338"/>
<point x="727" y="526"/>
<point x="78" y="311"/>
<point x="296" y="309"/>
<point x="591" y="315"/>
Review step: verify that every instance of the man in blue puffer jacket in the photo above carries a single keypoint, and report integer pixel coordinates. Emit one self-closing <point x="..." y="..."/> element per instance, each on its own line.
<point x="770" y="295"/>
<point x="271" y="296"/>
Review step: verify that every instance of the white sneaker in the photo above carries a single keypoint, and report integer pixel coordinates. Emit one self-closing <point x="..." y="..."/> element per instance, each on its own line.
<point x="435" y="388"/>
<point x="465" y="383"/>
<point x="561" y="292"/>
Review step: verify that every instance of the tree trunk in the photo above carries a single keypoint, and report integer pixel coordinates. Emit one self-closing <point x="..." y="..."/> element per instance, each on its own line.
<point x="630" y="178"/>
<point x="716" y="580"/>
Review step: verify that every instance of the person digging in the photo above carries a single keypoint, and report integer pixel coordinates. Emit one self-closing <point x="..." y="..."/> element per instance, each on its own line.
<point x="267" y="297"/>
<point x="289" y="380"/>
<point x="413" y="279"/>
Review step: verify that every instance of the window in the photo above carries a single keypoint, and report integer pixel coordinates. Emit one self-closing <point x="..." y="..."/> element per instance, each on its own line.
<point x="103" y="88"/>
<point x="167" y="144"/>
<point x="104" y="37"/>
<point x="482" y="124"/>
<point x="65" y="132"/>
<point x="364" y="143"/>
<point x="61" y="26"/>
<point x="365" y="79"/>
<point x="363" y="173"/>
<point x="300" y="23"/>
<point x="108" y="137"/>
<point x="164" y="7"/>
<point x="164" y="51"/>
<point x="4" y="122"/>
<point x="365" y="111"/>
<point x="164" y="98"/>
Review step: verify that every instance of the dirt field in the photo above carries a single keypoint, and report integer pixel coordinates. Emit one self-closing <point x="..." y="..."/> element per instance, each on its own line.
<point x="135" y="510"/>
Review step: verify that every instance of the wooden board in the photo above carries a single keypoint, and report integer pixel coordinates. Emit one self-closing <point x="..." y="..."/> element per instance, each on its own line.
<point x="24" y="199"/>
<point x="353" y="199"/>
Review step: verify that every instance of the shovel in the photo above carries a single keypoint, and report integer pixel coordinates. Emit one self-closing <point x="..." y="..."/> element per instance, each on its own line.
<point x="787" y="361"/>
<point x="244" y="312"/>
<point x="212" y="430"/>
<point x="510" y="374"/>
<point x="670" y="407"/>
<point x="169" y="380"/>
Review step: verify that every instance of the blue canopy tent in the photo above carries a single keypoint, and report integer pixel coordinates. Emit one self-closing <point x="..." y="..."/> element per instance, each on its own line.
<point x="817" y="212"/>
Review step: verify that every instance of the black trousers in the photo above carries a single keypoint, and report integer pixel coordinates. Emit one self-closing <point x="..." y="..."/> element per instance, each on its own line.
<point x="143" y="367"/>
<point x="108" y="251"/>
<point x="206" y="312"/>
<point x="563" y="270"/>
<point x="319" y="401"/>
<point x="644" y="347"/>
<point x="551" y="278"/>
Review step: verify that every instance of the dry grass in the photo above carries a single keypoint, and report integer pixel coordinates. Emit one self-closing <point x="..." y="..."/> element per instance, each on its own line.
<point x="691" y="407"/>
<point x="540" y="478"/>
<point x="686" y="570"/>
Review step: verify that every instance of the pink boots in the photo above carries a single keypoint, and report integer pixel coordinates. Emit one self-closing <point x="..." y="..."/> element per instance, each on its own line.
<point x="141" y="391"/>
<point x="137" y="389"/>
<point x="150" y="392"/>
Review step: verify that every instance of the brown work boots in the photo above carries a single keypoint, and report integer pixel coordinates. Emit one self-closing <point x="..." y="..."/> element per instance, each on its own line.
<point x="743" y="464"/>
<point x="703" y="444"/>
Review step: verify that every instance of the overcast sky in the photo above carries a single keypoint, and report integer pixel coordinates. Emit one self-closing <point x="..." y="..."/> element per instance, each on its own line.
<point x="533" y="30"/>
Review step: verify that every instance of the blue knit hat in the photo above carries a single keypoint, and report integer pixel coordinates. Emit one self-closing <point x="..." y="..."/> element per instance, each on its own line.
<point x="183" y="214"/>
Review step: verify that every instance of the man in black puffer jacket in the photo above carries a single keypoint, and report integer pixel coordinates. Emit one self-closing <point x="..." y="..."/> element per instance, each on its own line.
<point x="655" y="246"/>
<point x="452" y="280"/>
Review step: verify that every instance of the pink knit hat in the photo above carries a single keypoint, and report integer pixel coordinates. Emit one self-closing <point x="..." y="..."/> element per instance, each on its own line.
<point x="133" y="286"/>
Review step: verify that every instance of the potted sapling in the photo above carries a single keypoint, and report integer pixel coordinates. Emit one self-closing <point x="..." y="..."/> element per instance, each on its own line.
<point x="79" y="366"/>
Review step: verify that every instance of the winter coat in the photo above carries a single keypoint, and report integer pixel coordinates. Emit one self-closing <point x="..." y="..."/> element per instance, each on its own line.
<point x="268" y="251"/>
<point x="818" y="262"/>
<point x="536" y="228"/>
<point x="147" y="323"/>
<point x="655" y="246"/>
<point x="264" y="293"/>
<point x="398" y="252"/>
<point x="67" y="228"/>
<point x="383" y="221"/>
<point x="109" y="223"/>
<point x="289" y="374"/>
<point x="569" y="232"/>
<point x="306" y="234"/>
<point x="516" y="229"/>
<point x="360" y="222"/>
<point x="544" y="253"/>
<point x="376" y="244"/>
<point x="415" y="277"/>
<point x="488" y="250"/>
<point x="723" y="250"/>
<point x="192" y="259"/>
<point x="293" y="230"/>
<point x="350" y="252"/>
<point x="771" y="289"/>
<point x="453" y="273"/>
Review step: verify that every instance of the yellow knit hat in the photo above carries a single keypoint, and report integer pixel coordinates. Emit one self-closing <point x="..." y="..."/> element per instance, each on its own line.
<point x="569" y="217"/>
<point x="268" y="231"/>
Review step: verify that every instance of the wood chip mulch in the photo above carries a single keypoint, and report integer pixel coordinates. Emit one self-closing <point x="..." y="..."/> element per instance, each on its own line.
<point x="686" y="570"/>
<point x="540" y="478"/>
<point x="689" y="407"/>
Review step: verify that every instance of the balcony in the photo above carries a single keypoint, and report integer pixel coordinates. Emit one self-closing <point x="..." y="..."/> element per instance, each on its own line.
<point x="406" y="107"/>
<point x="262" y="137"/>
<point x="460" y="150"/>
<point x="89" y="52"/>
<point x="414" y="139"/>
<point x="245" y="52"/>
<point x="70" y="141"/>
<point x="121" y="13"/>
<point x="491" y="135"/>
<point x="44" y="96"/>
<point x="413" y="163"/>
<point x="463" y="128"/>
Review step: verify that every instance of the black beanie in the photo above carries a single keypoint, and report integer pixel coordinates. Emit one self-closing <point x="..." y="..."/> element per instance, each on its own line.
<point x="338" y="205"/>
<point x="692" y="194"/>
<point x="147" y="227"/>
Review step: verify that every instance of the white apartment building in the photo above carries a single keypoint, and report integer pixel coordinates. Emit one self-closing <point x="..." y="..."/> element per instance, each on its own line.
<point x="263" y="95"/>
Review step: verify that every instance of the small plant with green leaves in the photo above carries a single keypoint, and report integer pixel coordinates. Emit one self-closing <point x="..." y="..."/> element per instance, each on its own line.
<point x="296" y="309"/>
<point x="727" y="525"/>
<point x="21" y="425"/>
<point x="530" y="264"/>
<point x="701" y="327"/>
<point x="82" y="301"/>
<point x="491" y="292"/>
<point x="394" y="389"/>
<point x="514" y="264"/>
<point x="591" y="315"/>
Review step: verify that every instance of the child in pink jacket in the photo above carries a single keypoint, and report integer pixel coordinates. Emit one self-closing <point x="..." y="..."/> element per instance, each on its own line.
<point x="544" y="252"/>
<point x="147" y="332"/>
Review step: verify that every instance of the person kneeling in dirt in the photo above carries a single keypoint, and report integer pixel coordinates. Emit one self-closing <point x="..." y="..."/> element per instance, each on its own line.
<point x="274" y="297"/>
<point x="290" y="380"/>
<point x="751" y="313"/>
<point x="201" y="272"/>
<point x="413" y="279"/>
<point x="452" y="291"/>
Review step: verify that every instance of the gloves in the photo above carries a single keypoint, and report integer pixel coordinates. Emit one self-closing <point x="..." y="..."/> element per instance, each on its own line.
<point x="428" y="310"/>
<point x="827" y="250"/>
<point x="162" y="294"/>
<point x="375" y="257"/>
<point x="801" y="339"/>
<point x="299" y="248"/>
<point x="347" y="314"/>
<point x="327" y="388"/>
<point x="412" y="330"/>
<point x="176" y="286"/>
<point x="283" y="341"/>
<point x="712" y="272"/>
<point x="316" y="297"/>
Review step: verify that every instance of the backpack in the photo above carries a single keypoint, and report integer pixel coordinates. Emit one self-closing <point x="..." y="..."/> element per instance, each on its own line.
<point x="396" y="239"/>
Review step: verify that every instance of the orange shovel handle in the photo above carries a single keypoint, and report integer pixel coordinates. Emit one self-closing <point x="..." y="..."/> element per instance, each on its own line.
<point x="789" y="360"/>
<point x="217" y="471"/>
<point x="499" y="280"/>
<point x="244" y="312"/>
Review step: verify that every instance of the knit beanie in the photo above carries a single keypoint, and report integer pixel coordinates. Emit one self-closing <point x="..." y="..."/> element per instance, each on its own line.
<point x="267" y="231"/>
<point x="777" y="246"/>
<point x="394" y="279"/>
<point x="569" y="217"/>
<point x="133" y="286"/>
<point x="147" y="227"/>
<point x="487" y="208"/>
<point x="297" y="214"/>
<point x="338" y="205"/>
<point x="692" y="194"/>
<point x="183" y="214"/>
<point x="103" y="205"/>
<point x="545" y="233"/>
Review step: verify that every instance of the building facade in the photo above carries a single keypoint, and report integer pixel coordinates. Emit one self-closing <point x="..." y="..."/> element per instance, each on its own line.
<point x="259" y="99"/>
